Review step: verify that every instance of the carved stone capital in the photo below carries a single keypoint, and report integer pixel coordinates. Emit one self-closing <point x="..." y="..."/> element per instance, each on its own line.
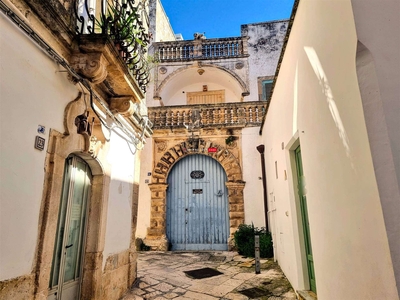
<point x="158" y="187"/>
<point x="91" y="65"/>
<point x="123" y="106"/>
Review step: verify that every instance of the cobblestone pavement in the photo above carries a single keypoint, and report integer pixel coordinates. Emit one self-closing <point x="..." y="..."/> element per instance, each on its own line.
<point x="161" y="276"/>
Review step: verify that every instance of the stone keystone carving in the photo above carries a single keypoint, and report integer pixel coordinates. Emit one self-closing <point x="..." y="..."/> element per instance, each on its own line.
<point x="91" y="65"/>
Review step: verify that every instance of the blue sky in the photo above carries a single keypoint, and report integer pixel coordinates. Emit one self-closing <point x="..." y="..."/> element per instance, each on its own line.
<point x="222" y="18"/>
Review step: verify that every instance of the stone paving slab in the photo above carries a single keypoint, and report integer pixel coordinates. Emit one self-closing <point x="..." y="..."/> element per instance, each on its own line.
<point x="161" y="276"/>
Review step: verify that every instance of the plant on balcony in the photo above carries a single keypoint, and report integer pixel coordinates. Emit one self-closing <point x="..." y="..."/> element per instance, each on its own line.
<point x="122" y="24"/>
<point x="230" y="139"/>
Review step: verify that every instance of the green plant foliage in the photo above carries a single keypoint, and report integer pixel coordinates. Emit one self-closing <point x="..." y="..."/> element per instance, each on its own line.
<point x="244" y="241"/>
<point x="230" y="139"/>
<point x="144" y="247"/>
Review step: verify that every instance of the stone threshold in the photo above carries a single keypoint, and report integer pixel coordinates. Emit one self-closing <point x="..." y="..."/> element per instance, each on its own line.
<point x="307" y="295"/>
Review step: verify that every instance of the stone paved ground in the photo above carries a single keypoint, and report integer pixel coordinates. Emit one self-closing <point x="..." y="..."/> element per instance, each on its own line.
<point x="161" y="276"/>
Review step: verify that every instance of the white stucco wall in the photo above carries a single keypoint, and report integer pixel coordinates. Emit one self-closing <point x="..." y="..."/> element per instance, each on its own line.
<point x="264" y="47"/>
<point x="180" y="78"/>
<point x="317" y="103"/>
<point x="119" y="211"/>
<point x="252" y="175"/>
<point x="146" y="166"/>
<point x="33" y="91"/>
<point x="376" y="26"/>
<point x="378" y="71"/>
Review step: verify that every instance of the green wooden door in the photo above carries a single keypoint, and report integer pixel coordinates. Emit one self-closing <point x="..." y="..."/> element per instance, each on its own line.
<point x="304" y="214"/>
<point x="66" y="269"/>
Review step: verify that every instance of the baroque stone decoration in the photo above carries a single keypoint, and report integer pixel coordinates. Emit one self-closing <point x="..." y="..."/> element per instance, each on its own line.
<point x="91" y="143"/>
<point x="239" y="65"/>
<point x="212" y="116"/>
<point x="93" y="66"/>
<point x="238" y="78"/>
<point x="156" y="233"/>
<point x="162" y="70"/>
<point x="122" y="105"/>
<point x="161" y="146"/>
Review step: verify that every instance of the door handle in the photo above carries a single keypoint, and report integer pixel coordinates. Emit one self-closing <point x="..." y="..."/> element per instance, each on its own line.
<point x="68" y="246"/>
<point x="219" y="194"/>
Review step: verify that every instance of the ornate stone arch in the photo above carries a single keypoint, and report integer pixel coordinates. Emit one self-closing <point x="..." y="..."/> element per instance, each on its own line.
<point x="243" y="85"/>
<point x="156" y="233"/>
<point x="60" y="146"/>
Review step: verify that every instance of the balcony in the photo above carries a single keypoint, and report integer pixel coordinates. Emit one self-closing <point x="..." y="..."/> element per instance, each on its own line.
<point x="220" y="115"/>
<point x="118" y="30"/>
<point x="201" y="49"/>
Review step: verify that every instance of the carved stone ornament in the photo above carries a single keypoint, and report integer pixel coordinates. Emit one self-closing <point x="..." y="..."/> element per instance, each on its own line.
<point x="91" y="65"/>
<point x="122" y="105"/>
<point x="239" y="65"/>
<point x="163" y="70"/>
<point x="94" y="146"/>
<point x="161" y="146"/>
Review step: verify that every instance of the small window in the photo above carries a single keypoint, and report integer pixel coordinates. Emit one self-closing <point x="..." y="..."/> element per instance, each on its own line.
<point x="264" y="84"/>
<point x="266" y="89"/>
<point x="206" y="97"/>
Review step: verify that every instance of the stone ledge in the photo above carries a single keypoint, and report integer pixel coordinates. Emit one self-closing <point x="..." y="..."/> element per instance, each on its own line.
<point x="99" y="61"/>
<point x="18" y="288"/>
<point x="307" y="295"/>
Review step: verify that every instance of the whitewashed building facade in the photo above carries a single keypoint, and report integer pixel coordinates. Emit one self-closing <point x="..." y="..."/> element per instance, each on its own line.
<point x="332" y="151"/>
<point x="72" y="124"/>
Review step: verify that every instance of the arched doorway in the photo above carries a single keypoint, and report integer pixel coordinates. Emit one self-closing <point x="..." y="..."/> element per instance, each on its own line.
<point x="66" y="270"/>
<point x="197" y="205"/>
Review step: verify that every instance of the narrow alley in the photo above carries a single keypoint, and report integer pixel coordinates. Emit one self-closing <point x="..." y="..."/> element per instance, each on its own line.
<point x="207" y="276"/>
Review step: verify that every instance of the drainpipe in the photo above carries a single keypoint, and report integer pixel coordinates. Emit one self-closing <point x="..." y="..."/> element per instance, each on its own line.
<point x="261" y="149"/>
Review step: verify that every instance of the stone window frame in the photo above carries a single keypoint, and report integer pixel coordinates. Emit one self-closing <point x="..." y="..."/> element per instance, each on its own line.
<point x="60" y="147"/>
<point x="260" y="85"/>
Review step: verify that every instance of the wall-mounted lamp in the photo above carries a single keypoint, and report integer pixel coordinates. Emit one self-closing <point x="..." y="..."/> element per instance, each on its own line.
<point x="83" y="125"/>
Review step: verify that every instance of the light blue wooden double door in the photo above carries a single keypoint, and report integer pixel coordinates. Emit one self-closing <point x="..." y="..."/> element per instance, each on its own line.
<point x="197" y="205"/>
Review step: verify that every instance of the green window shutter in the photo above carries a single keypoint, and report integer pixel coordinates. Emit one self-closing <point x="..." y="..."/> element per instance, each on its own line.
<point x="266" y="89"/>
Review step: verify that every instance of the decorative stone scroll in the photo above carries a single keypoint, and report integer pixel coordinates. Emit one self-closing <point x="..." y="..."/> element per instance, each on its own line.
<point x="122" y="105"/>
<point x="92" y="65"/>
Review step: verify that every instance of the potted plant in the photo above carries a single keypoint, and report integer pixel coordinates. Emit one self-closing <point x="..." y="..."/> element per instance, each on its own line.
<point x="124" y="27"/>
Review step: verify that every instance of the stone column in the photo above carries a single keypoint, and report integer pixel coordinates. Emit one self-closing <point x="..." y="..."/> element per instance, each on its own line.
<point x="156" y="234"/>
<point x="236" y="208"/>
<point x="245" y="48"/>
<point x="197" y="48"/>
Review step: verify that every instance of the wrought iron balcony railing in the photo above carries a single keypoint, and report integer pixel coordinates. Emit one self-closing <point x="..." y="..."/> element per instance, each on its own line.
<point x="228" y="115"/>
<point x="201" y="49"/>
<point x="123" y="22"/>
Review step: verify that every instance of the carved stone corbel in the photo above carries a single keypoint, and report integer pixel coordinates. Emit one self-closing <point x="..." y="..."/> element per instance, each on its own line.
<point x="91" y="143"/>
<point x="91" y="65"/>
<point x="122" y="105"/>
<point x="94" y="146"/>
